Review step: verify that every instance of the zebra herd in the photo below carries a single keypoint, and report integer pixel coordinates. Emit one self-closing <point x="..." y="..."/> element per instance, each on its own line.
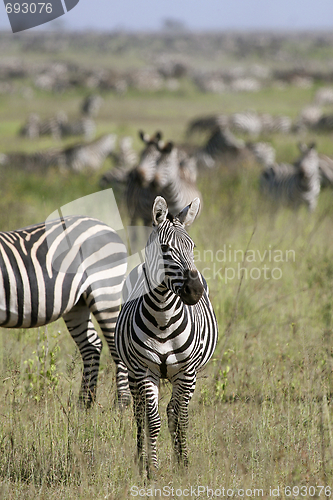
<point x="74" y="268"/>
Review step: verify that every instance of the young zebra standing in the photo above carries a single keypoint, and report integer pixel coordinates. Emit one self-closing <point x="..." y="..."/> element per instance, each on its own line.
<point x="166" y="329"/>
<point x="72" y="268"/>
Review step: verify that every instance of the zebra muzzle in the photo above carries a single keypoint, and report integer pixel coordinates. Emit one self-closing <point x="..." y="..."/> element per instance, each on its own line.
<point x="192" y="289"/>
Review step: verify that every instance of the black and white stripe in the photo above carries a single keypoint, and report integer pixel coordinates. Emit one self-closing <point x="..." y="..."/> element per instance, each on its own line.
<point x="140" y="194"/>
<point x="166" y="329"/>
<point x="172" y="181"/>
<point x="73" y="268"/>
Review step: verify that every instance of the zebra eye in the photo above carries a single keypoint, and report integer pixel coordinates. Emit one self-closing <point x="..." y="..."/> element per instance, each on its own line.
<point x="165" y="248"/>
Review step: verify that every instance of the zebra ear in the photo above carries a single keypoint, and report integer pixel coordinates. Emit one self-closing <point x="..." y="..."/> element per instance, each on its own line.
<point x="160" y="210"/>
<point x="189" y="213"/>
<point x="144" y="137"/>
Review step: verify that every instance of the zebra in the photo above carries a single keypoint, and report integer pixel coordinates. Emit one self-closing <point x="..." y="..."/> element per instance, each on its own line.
<point x="82" y="126"/>
<point x="74" y="268"/>
<point x="294" y="184"/>
<point x="39" y="161"/>
<point x="166" y="329"/>
<point x="170" y="180"/>
<point x="35" y="127"/>
<point x="140" y="194"/>
<point x="220" y="144"/>
<point x="206" y="124"/>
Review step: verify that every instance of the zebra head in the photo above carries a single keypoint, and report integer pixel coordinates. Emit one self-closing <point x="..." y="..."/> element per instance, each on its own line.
<point x="169" y="253"/>
<point x="148" y="157"/>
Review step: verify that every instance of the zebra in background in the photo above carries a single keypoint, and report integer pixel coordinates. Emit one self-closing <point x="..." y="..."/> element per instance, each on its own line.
<point x="82" y="126"/>
<point x="53" y="126"/>
<point x="140" y="194"/>
<point x="39" y="161"/>
<point x="72" y="268"/>
<point x="221" y="144"/>
<point x="170" y="180"/>
<point x="166" y="329"/>
<point x="294" y="184"/>
<point x="206" y="124"/>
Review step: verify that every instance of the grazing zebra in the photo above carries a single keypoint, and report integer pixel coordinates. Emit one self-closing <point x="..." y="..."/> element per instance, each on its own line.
<point x="82" y="126"/>
<point x="206" y="124"/>
<point x="34" y="162"/>
<point x="73" y="268"/>
<point x="89" y="156"/>
<point x="166" y="329"/>
<point x="220" y="144"/>
<point x="140" y="194"/>
<point x="35" y="128"/>
<point x="170" y="180"/>
<point x="294" y="184"/>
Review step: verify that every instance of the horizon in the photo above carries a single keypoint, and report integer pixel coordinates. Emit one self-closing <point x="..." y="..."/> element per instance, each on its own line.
<point x="211" y="16"/>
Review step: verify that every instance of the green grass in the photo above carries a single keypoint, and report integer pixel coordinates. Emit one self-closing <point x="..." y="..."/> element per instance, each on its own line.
<point x="261" y="415"/>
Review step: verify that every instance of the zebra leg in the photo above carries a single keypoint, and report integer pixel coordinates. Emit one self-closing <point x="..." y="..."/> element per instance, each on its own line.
<point x="145" y="397"/>
<point x="79" y="323"/>
<point x="173" y="426"/>
<point x="178" y="416"/>
<point x="153" y="423"/>
<point x="139" y="415"/>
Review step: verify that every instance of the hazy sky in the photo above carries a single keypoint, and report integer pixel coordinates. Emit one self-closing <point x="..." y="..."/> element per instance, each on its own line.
<point x="196" y="14"/>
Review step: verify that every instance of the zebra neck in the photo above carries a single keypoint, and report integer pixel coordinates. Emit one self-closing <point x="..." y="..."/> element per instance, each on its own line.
<point x="161" y="304"/>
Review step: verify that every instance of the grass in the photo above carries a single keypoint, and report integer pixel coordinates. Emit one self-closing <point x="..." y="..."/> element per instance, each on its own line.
<point x="261" y="415"/>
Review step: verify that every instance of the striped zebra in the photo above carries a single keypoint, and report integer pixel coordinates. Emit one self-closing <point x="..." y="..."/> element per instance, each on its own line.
<point x="72" y="268"/>
<point x="294" y="184"/>
<point x="166" y="329"/>
<point x="140" y="194"/>
<point x="170" y="180"/>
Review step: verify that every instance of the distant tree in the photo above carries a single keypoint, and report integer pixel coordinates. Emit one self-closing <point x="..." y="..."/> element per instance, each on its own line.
<point x="173" y="25"/>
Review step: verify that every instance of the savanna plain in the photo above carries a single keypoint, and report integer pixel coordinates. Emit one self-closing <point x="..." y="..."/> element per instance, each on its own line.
<point x="261" y="416"/>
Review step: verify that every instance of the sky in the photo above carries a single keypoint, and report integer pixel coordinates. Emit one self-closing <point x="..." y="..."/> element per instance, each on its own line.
<point x="134" y="15"/>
